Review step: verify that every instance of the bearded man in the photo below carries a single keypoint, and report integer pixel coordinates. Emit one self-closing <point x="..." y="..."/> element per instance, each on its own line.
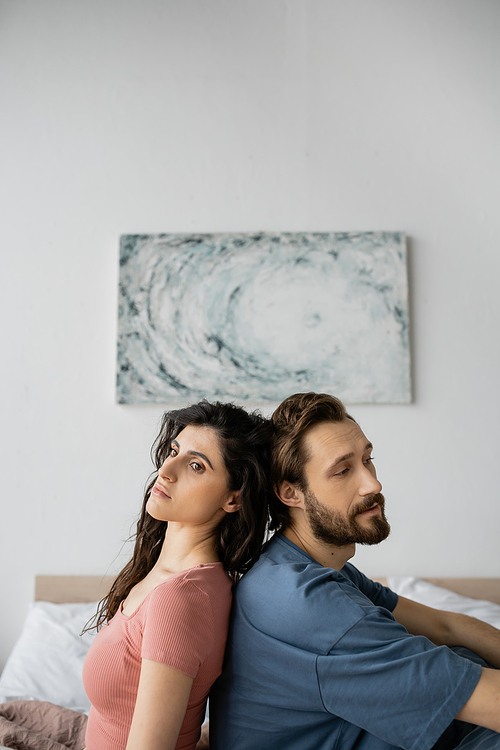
<point x="321" y="658"/>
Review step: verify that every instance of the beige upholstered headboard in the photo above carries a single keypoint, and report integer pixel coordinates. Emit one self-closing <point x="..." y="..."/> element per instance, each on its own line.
<point x="61" y="589"/>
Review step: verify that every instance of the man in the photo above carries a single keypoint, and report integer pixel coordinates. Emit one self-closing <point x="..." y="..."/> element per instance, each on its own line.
<point x="321" y="658"/>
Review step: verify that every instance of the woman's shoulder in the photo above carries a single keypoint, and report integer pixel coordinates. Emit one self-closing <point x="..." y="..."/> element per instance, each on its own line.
<point x="207" y="575"/>
<point x="202" y="593"/>
<point x="207" y="581"/>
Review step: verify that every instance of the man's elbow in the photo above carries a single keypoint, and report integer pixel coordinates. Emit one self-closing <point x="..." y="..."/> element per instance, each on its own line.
<point x="450" y="629"/>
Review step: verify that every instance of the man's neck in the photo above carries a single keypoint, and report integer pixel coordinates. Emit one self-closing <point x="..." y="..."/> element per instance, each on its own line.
<point x="327" y="555"/>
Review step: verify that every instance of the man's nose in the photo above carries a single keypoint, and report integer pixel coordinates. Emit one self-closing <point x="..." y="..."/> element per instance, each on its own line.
<point x="370" y="484"/>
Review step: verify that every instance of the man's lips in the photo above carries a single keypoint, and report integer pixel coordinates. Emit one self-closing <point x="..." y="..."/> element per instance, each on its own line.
<point x="375" y="506"/>
<point x="158" y="490"/>
<point x="373" y="510"/>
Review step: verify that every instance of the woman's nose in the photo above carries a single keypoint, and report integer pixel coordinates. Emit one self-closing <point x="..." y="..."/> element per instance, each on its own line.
<point x="167" y="470"/>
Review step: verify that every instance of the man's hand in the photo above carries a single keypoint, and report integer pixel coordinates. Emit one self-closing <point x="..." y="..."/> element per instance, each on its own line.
<point x="203" y="742"/>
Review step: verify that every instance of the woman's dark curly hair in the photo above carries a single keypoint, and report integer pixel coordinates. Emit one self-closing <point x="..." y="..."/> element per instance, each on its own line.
<point x="244" y="440"/>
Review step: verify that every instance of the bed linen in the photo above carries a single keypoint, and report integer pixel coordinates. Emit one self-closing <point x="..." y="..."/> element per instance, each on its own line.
<point x="39" y="725"/>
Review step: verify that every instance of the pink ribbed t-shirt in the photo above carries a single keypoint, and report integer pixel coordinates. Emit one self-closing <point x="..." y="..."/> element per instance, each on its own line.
<point x="183" y="623"/>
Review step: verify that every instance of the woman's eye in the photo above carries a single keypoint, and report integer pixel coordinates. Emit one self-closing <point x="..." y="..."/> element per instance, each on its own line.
<point x="173" y="451"/>
<point x="341" y="473"/>
<point x="369" y="460"/>
<point x="196" y="466"/>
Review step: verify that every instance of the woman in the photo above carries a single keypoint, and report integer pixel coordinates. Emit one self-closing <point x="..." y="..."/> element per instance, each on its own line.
<point x="163" y="625"/>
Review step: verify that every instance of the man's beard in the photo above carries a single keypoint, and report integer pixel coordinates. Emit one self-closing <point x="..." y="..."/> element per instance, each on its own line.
<point x="331" y="527"/>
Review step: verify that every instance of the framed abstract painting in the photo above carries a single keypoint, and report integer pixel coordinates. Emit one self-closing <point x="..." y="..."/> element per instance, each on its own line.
<point x="255" y="317"/>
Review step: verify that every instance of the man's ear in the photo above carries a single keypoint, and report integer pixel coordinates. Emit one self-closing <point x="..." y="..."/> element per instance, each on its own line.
<point x="289" y="494"/>
<point x="233" y="503"/>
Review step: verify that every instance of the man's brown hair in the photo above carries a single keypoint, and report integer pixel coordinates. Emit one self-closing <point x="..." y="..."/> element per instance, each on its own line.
<point x="293" y="418"/>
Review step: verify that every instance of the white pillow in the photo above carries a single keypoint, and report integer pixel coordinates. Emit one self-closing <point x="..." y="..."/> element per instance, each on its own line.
<point x="439" y="598"/>
<point x="46" y="662"/>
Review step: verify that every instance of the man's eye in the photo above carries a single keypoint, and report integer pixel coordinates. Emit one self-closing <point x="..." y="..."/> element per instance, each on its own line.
<point x="369" y="460"/>
<point x="341" y="473"/>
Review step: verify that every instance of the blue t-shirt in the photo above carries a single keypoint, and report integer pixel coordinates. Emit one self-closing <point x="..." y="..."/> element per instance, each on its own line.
<point x="316" y="661"/>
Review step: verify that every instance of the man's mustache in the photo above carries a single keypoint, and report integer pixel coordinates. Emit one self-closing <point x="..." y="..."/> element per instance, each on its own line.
<point x="370" y="502"/>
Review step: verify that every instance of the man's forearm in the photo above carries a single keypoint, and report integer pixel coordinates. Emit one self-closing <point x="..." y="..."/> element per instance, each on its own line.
<point x="475" y="635"/>
<point x="450" y="629"/>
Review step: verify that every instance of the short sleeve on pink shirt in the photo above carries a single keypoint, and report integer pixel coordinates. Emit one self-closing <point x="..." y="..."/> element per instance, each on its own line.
<point x="179" y="627"/>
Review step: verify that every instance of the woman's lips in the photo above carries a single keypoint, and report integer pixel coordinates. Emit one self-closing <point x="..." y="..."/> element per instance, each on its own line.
<point x="158" y="490"/>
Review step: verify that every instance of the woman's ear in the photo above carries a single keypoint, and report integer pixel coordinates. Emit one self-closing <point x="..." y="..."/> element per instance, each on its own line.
<point x="233" y="503"/>
<point x="290" y="495"/>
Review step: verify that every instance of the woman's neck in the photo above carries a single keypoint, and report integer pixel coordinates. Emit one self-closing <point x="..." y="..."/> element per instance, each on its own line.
<point x="185" y="547"/>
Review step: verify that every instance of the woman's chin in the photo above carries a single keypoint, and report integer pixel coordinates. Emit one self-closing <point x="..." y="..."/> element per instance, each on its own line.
<point x="153" y="510"/>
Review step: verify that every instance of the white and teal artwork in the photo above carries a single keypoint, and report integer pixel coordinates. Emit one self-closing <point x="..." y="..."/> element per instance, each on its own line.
<point x="256" y="317"/>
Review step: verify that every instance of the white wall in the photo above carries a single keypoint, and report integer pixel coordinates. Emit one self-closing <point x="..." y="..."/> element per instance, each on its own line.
<point x="214" y="115"/>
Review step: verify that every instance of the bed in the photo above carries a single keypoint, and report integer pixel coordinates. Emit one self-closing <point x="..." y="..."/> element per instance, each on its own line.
<point x="46" y="662"/>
